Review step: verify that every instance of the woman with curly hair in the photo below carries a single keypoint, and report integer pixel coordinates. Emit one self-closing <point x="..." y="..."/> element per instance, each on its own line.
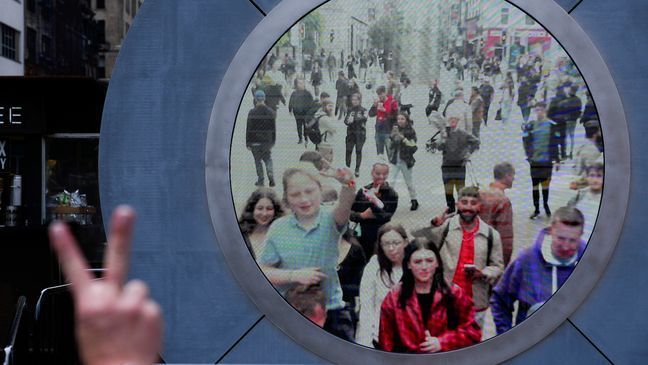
<point x="424" y="314"/>
<point x="261" y="209"/>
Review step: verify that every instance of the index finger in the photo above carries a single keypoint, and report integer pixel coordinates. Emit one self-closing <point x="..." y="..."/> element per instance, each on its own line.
<point x="119" y="241"/>
<point x="326" y="165"/>
<point x="72" y="261"/>
<point x="327" y="174"/>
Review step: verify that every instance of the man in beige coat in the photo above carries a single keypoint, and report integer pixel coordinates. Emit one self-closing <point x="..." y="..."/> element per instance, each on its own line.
<point x="471" y="250"/>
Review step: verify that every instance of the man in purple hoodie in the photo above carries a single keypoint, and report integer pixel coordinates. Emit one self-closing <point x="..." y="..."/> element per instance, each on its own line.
<point x="538" y="272"/>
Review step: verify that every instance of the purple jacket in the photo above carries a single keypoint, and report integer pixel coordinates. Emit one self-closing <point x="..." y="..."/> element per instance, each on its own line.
<point x="528" y="280"/>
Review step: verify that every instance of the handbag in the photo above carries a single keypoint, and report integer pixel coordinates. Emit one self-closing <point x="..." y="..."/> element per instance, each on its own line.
<point x="470" y="173"/>
<point x="498" y="115"/>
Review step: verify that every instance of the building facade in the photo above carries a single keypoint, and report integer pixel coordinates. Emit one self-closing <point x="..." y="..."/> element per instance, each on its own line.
<point x="12" y="31"/>
<point x="114" y="18"/>
<point x="497" y="29"/>
<point x="60" y="38"/>
<point x="346" y="25"/>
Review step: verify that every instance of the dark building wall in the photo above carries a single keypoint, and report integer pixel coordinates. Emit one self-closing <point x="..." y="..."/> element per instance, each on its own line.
<point x="61" y="38"/>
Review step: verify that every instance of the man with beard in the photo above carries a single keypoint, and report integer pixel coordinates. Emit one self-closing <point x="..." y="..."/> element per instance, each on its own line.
<point x="537" y="273"/>
<point x="496" y="208"/>
<point x="470" y="249"/>
<point x="374" y="206"/>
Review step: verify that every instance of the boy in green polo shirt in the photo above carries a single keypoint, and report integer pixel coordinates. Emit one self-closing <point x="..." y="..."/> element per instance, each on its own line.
<point x="302" y="247"/>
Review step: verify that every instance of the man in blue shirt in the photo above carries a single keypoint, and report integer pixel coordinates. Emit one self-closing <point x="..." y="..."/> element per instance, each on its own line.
<point x="540" y="143"/>
<point x="540" y="270"/>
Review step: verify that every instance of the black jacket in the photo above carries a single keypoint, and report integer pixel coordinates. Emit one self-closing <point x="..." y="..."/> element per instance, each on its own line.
<point x="261" y="129"/>
<point x="457" y="147"/>
<point x="402" y="150"/>
<point x="589" y="113"/>
<point x="435" y="98"/>
<point x="358" y="122"/>
<point x="558" y="109"/>
<point x="387" y="195"/>
<point x="274" y="96"/>
<point x="300" y="103"/>
<point x="342" y="87"/>
<point x="486" y="91"/>
<point x="574" y="107"/>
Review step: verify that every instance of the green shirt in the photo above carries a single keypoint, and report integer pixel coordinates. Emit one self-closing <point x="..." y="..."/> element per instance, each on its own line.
<point x="290" y="246"/>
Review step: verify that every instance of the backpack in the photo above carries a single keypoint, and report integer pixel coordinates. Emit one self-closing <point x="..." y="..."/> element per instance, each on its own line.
<point x="312" y="131"/>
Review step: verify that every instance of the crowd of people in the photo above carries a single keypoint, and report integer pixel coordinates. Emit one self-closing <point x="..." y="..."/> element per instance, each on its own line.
<point x="337" y="256"/>
<point x="330" y="245"/>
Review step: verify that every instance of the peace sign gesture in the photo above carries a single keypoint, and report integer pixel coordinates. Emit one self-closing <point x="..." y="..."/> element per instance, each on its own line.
<point x="341" y="174"/>
<point x="115" y="323"/>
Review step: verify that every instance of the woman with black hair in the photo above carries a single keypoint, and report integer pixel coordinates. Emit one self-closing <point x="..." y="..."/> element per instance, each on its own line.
<point x="423" y="314"/>
<point x="403" y="147"/>
<point x="381" y="273"/>
<point x="356" y="121"/>
<point x="351" y="262"/>
<point x="261" y="209"/>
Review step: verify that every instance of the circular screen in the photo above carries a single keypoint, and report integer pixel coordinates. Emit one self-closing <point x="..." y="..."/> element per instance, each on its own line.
<point x="417" y="176"/>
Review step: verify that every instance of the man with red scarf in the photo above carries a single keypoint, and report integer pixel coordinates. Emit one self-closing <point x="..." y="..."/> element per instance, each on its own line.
<point x="471" y="250"/>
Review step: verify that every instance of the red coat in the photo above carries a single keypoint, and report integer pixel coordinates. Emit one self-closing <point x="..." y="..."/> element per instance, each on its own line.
<point x="402" y="330"/>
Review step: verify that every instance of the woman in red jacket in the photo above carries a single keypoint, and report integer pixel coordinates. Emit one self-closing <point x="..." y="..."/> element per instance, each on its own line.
<point x="423" y="314"/>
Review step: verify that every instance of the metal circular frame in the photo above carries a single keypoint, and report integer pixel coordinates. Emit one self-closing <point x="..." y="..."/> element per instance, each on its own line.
<point x="604" y="238"/>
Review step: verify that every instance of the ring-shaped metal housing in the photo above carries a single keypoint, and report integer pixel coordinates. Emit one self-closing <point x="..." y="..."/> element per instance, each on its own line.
<point x="497" y="349"/>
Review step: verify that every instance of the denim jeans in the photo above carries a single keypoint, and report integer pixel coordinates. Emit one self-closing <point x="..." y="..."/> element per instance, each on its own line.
<point x="407" y="175"/>
<point x="262" y="153"/>
<point x="382" y="141"/>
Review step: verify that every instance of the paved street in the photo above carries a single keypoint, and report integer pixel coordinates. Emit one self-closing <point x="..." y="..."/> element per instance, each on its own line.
<point x="500" y="142"/>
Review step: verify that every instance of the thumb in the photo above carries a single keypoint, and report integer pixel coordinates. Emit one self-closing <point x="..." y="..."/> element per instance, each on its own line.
<point x="427" y="333"/>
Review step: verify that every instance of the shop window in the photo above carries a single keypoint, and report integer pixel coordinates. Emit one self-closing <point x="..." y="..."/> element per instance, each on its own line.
<point x="72" y="187"/>
<point x="31" y="44"/>
<point x="10" y="42"/>
<point x="101" y="29"/>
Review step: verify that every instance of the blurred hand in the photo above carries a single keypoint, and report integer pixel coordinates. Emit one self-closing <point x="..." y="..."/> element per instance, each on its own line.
<point x="431" y="344"/>
<point x="341" y="174"/>
<point x="115" y="323"/>
<point x="473" y="273"/>
<point x="367" y="214"/>
<point x="439" y="219"/>
<point x="307" y="276"/>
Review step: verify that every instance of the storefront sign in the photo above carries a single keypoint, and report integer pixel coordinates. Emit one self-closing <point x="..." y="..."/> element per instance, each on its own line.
<point x="11" y="115"/>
